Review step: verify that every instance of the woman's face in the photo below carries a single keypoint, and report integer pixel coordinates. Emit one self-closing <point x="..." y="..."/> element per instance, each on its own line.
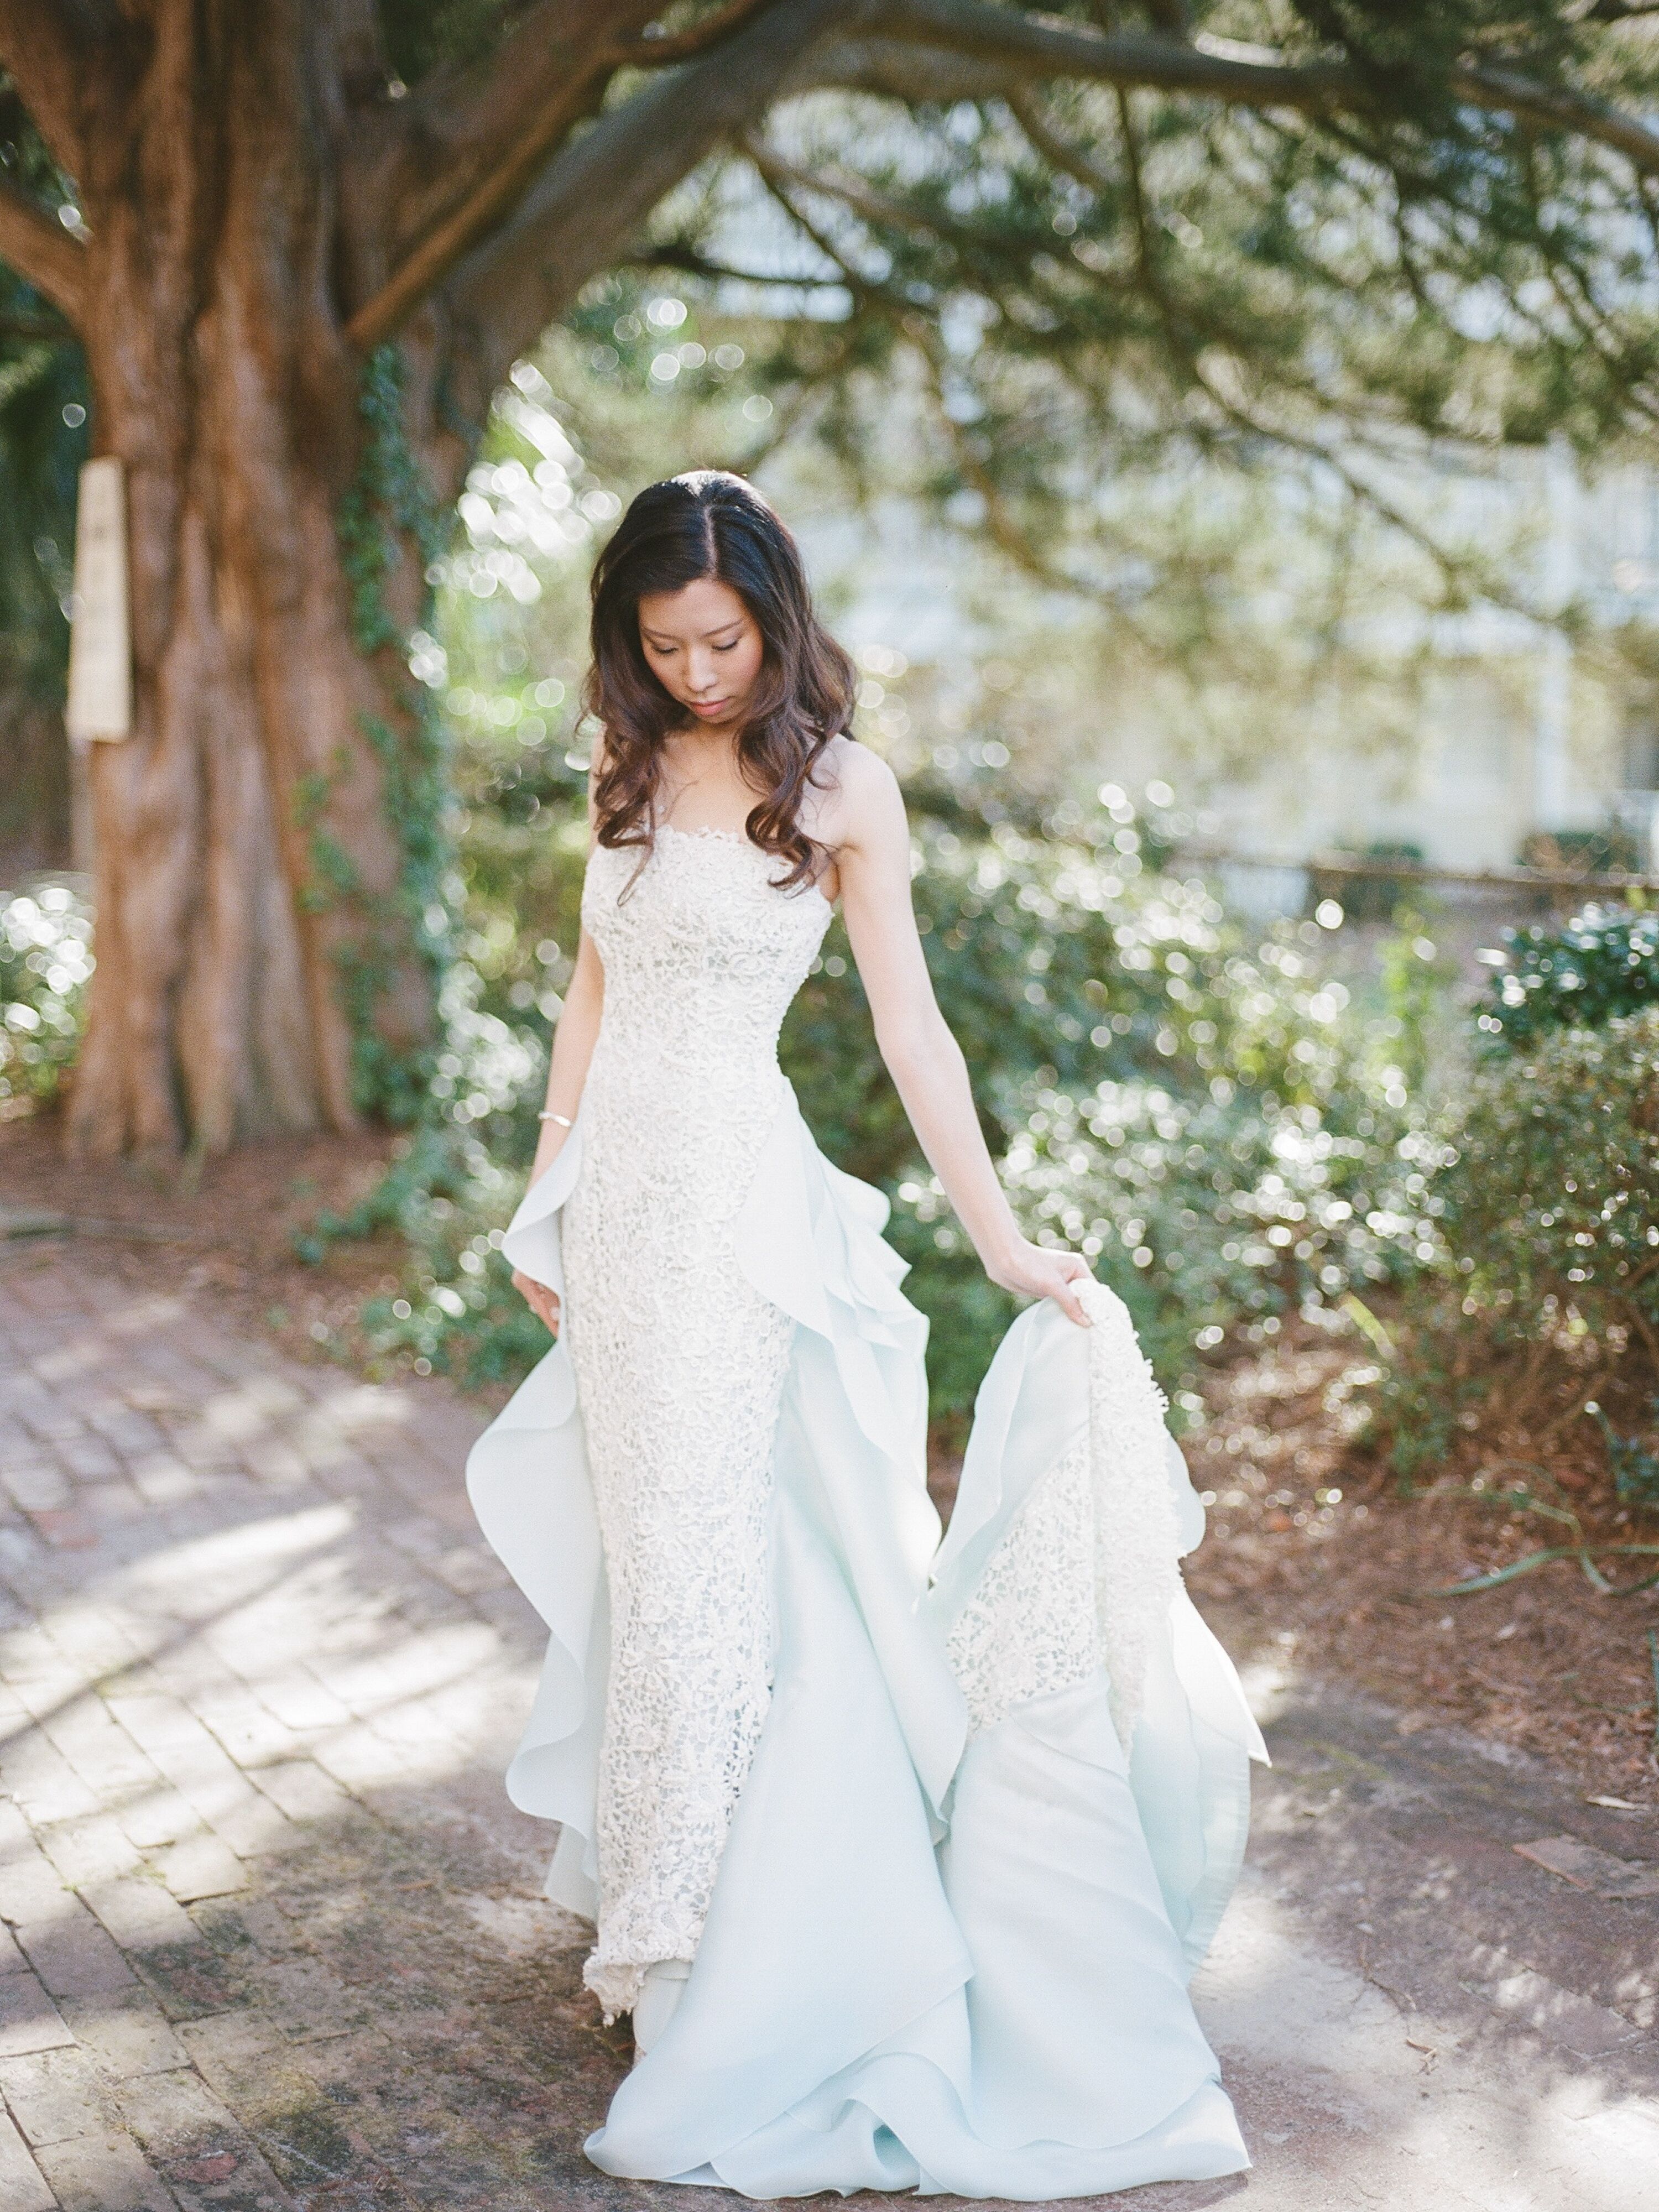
<point x="705" y="649"/>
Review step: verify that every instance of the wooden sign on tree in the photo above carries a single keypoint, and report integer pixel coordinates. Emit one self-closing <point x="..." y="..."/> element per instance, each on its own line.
<point x="101" y="654"/>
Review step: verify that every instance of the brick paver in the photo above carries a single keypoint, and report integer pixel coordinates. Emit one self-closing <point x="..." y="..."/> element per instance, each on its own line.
<point x="270" y="1935"/>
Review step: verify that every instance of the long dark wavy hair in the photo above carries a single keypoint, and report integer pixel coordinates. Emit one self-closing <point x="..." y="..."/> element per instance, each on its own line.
<point x="709" y="523"/>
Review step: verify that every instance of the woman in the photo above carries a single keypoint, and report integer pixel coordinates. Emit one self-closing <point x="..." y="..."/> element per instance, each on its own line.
<point x="851" y="1811"/>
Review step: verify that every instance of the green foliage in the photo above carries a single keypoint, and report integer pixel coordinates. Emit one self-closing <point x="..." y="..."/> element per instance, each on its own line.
<point x="1632" y="1460"/>
<point x="45" y="964"/>
<point x="1209" y="1118"/>
<point x="1083" y="287"/>
<point x="1061" y="953"/>
<point x="455" y="1311"/>
<point x="1205" y="1216"/>
<point x="389" y="508"/>
<point x="1601" y="964"/>
<point x="1547" y="1206"/>
<point x="448" y="1194"/>
<point x="388" y="515"/>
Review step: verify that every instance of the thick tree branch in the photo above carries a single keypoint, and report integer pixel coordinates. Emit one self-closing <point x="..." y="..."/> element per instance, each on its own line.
<point x="474" y="141"/>
<point x="601" y="188"/>
<point x="40" y="250"/>
<point x="48" y="48"/>
<point x="1010" y="48"/>
<point x="503" y="119"/>
<point x="686" y="46"/>
<point x="1561" y="108"/>
<point x="1039" y="46"/>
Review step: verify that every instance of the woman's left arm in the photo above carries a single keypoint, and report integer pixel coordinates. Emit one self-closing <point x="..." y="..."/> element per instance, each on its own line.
<point x="871" y="844"/>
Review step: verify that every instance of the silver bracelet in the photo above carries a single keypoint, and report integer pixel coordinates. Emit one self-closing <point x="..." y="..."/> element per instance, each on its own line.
<point x="563" y="1120"/>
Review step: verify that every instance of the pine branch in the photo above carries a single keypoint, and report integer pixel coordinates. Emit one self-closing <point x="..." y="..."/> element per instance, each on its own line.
<point x="1012" y="48"/>
<point x="1059" y="154"/>
<point x="691" y="261"/>
<point x="37" y="245"/>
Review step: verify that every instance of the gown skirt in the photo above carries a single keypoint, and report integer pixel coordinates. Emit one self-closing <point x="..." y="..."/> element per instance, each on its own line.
<point x="941" y="1922"/>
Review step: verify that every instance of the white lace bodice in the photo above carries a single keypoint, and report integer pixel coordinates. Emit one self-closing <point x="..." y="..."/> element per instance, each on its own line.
<point x="680" y="1362"/>
<point x="702" y="955"/>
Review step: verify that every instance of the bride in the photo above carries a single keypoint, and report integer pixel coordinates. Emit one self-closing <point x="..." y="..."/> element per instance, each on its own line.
<point x="899" y="1854"/>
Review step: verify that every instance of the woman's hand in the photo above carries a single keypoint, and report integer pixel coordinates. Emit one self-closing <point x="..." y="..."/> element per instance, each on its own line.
<point x="541" y="1302"/>
<point x="1034" y="1271"/>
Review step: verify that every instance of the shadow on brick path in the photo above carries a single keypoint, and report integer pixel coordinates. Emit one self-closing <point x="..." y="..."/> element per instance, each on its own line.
<point x="272" y="1933"/>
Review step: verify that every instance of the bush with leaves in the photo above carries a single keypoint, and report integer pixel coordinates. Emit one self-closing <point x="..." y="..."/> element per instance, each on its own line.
<point x="45" y="964"/>
<point x="448" y="1193"/>
<point x="1142" y="1066"/>
<point x="1546" y="1290"/>
<point x="1601" y="963"/>
<point x="1062" y="951"/>
<point x="1205" y="1216"/>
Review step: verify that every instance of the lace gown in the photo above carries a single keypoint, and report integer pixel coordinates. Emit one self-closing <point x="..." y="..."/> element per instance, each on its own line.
<point x="679" y="1361"/>
<point x="942" y="1829"/>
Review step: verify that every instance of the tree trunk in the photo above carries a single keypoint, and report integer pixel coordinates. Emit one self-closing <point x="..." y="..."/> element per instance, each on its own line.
<point x="249" y="882"/>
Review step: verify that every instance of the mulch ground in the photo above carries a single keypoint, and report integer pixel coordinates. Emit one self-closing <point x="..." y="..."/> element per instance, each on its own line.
<point x="1313" y="1554"/>
<point x="223" y="1232"/>
<point x="1314" y="1550"/>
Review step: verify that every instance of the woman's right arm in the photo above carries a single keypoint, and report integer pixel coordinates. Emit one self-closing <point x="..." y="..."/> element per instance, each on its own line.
<point x="573" y="1048"/>
<point x="573" y="1039"/>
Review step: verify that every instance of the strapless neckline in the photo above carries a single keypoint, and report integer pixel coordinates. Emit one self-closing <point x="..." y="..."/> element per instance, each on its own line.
<point x="711" y="832"/>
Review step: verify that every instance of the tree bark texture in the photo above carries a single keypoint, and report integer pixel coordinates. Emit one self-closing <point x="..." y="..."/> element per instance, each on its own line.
<point x="221" y="380"/>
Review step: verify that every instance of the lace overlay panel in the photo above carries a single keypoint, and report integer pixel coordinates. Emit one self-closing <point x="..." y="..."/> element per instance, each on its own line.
<point x="1029" y="1626"/>
<point x="679" y="1363"/>
<point x="1090" y="1566"/>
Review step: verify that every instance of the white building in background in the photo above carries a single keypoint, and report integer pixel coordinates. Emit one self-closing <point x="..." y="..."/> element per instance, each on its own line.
<point x="1517" y="729"/>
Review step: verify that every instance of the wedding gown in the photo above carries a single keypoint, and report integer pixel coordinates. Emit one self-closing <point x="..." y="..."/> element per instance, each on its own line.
<point x="872" y="1787"/>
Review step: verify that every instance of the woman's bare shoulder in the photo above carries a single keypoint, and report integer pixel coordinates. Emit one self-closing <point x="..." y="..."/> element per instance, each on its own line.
<point x="856" y="791"/>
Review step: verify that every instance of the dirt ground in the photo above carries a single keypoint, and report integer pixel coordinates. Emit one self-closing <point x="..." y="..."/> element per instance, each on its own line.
<point x="223" y="1231"/>
<point x="1312" y="1554"/>
<point x="1312" y="1545"/>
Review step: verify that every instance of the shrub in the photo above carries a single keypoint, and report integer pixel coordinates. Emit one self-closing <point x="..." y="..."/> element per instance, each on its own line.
<point x="1142" y="1067"/>
<point x="1578" y="974"/>
<point x="455" y="1311"/>
<point x="45" y="964"/>
<point x="447" y="1198"/>
<point x="1204" y="1215"/>
<point x="1062" y="958"/>
<point x="1547" y="1205"/>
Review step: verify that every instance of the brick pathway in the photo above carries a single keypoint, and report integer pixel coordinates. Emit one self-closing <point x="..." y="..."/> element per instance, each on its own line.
<point x="272" y="1933"/>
